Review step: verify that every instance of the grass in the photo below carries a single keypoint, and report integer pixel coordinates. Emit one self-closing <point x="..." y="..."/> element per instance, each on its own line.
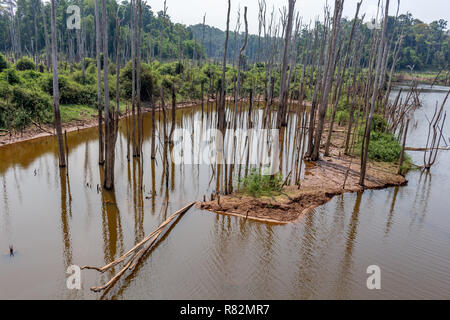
<point x="76" y="112"/>
<point x="257" y="185"/>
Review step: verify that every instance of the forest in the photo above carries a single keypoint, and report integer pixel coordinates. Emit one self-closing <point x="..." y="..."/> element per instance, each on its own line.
<point x="424" y="46"/>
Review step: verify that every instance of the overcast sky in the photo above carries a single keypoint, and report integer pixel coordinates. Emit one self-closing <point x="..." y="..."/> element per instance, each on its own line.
<point x="191" y="11"/>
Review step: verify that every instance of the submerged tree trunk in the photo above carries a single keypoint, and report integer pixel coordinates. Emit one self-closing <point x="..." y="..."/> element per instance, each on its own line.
<point x="109" y="116"/>
<point x="57" y="115"/>
<point x="138" y="79"/>
<point x="284" y="87"/>
<point x="174" y="107"/>
<point x="101" y="159"/>
<point x="221" y="121"/>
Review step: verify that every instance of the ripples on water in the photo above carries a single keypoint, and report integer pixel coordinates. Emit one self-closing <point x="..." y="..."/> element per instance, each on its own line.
<point x="54" y="222"/>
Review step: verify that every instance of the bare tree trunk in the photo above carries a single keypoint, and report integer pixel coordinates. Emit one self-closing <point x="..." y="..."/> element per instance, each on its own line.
<point x="329" y="73"/>
<point x="366" y="139"/>
<point x="47" y="42"/>
<point x="36" y="52"/>
<point x="138" y="79"/>
<point x="116" y="118"/>
<point x="174" y="107"/>
<point x="402" y="153"/>
<point x="238" y="80"/>
<point x="109" y="116"/>
<point x="133" y="75"/>
<point x="284" y="87"/>
<point x="221" y="121"/>
<point x="341" y="77"/>
<point x="57" y="115"/>
<point x="101" y="158"/>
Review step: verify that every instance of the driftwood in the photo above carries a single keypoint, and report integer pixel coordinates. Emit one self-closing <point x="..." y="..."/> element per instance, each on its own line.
<point x="136" y="252"/>
<point x="41" y="128"/>
<point x="427" y="149"/>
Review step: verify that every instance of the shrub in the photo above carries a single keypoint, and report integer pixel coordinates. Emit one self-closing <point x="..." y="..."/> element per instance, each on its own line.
<point x="31" y="104"/>
<point x="256" y="184"/>
<point x="25" y="64"/>
<point x="148" y="82"/>
<point x="70" y="92"/>
<point x="31" y="75"/>
<point x="379" y="124"/>
<point x="3" y="62"/>
<point x="383" y="147"/>
<point x="88" y="78"/>
<point x="342" y="117"/>
<point x="3" y="114"/>
<point x="13" y="76"/>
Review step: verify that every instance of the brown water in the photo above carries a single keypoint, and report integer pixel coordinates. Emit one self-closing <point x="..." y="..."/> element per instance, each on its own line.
<point x="54" y="221"/>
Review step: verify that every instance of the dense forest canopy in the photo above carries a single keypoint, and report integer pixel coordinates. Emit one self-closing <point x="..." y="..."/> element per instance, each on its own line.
<point x="425" y="46"/>
<point x="24" y="30"/>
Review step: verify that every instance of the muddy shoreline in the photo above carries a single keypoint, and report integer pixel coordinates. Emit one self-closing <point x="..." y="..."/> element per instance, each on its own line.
<point x="34" y="132"/>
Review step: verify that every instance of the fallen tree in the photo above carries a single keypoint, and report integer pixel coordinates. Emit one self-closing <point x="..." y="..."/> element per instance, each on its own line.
<point x="136" y="252"/>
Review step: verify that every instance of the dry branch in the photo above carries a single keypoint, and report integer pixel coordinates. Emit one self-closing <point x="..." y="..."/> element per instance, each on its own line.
<point x="137" y="251"/>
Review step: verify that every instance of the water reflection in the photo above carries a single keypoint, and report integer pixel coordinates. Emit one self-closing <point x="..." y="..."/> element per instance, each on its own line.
<point x="66" y="215"/>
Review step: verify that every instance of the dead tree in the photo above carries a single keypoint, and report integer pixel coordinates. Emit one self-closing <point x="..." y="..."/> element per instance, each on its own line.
<point x="329" y="73"/>
<point x="57" y="115"/>
<point x="241" y="56"/>
<point x="47" y="42"/>
<point x="340" y="81"/>
<point x="101" y="158"/>
<point x="435" y="128"/>
<point x="402" y="153"/>
<point x="376" y="86"/>
<point x="221" y="121"/>
<point x="284" y="86"/>
<point x="110" y="135"/>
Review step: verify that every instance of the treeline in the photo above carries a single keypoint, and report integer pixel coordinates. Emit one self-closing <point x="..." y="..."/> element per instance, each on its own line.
<point x="424" y="46"/>
<point x="25" y="31"/>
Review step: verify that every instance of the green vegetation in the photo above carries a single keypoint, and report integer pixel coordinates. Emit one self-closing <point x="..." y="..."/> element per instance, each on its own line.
<point x="384" y="146"/>
<point x="25" y="63"/>
<point x="27" y="96"/>
<point x="161" y="38"/>
<point x="255" y="184"/>
<point x="3" y="63"/>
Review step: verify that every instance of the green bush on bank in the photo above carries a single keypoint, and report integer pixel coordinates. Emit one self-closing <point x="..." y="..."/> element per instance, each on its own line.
<point x="3" y="62"/>
<point x="70" y="92"/>
<point x="384" y="147"/>
<point x="148" y="82"/>
<point x="32" y="104"/>
<point x="255" y="184"/>
<point x="12" y="75"/>
<point x="25" y="63"/>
